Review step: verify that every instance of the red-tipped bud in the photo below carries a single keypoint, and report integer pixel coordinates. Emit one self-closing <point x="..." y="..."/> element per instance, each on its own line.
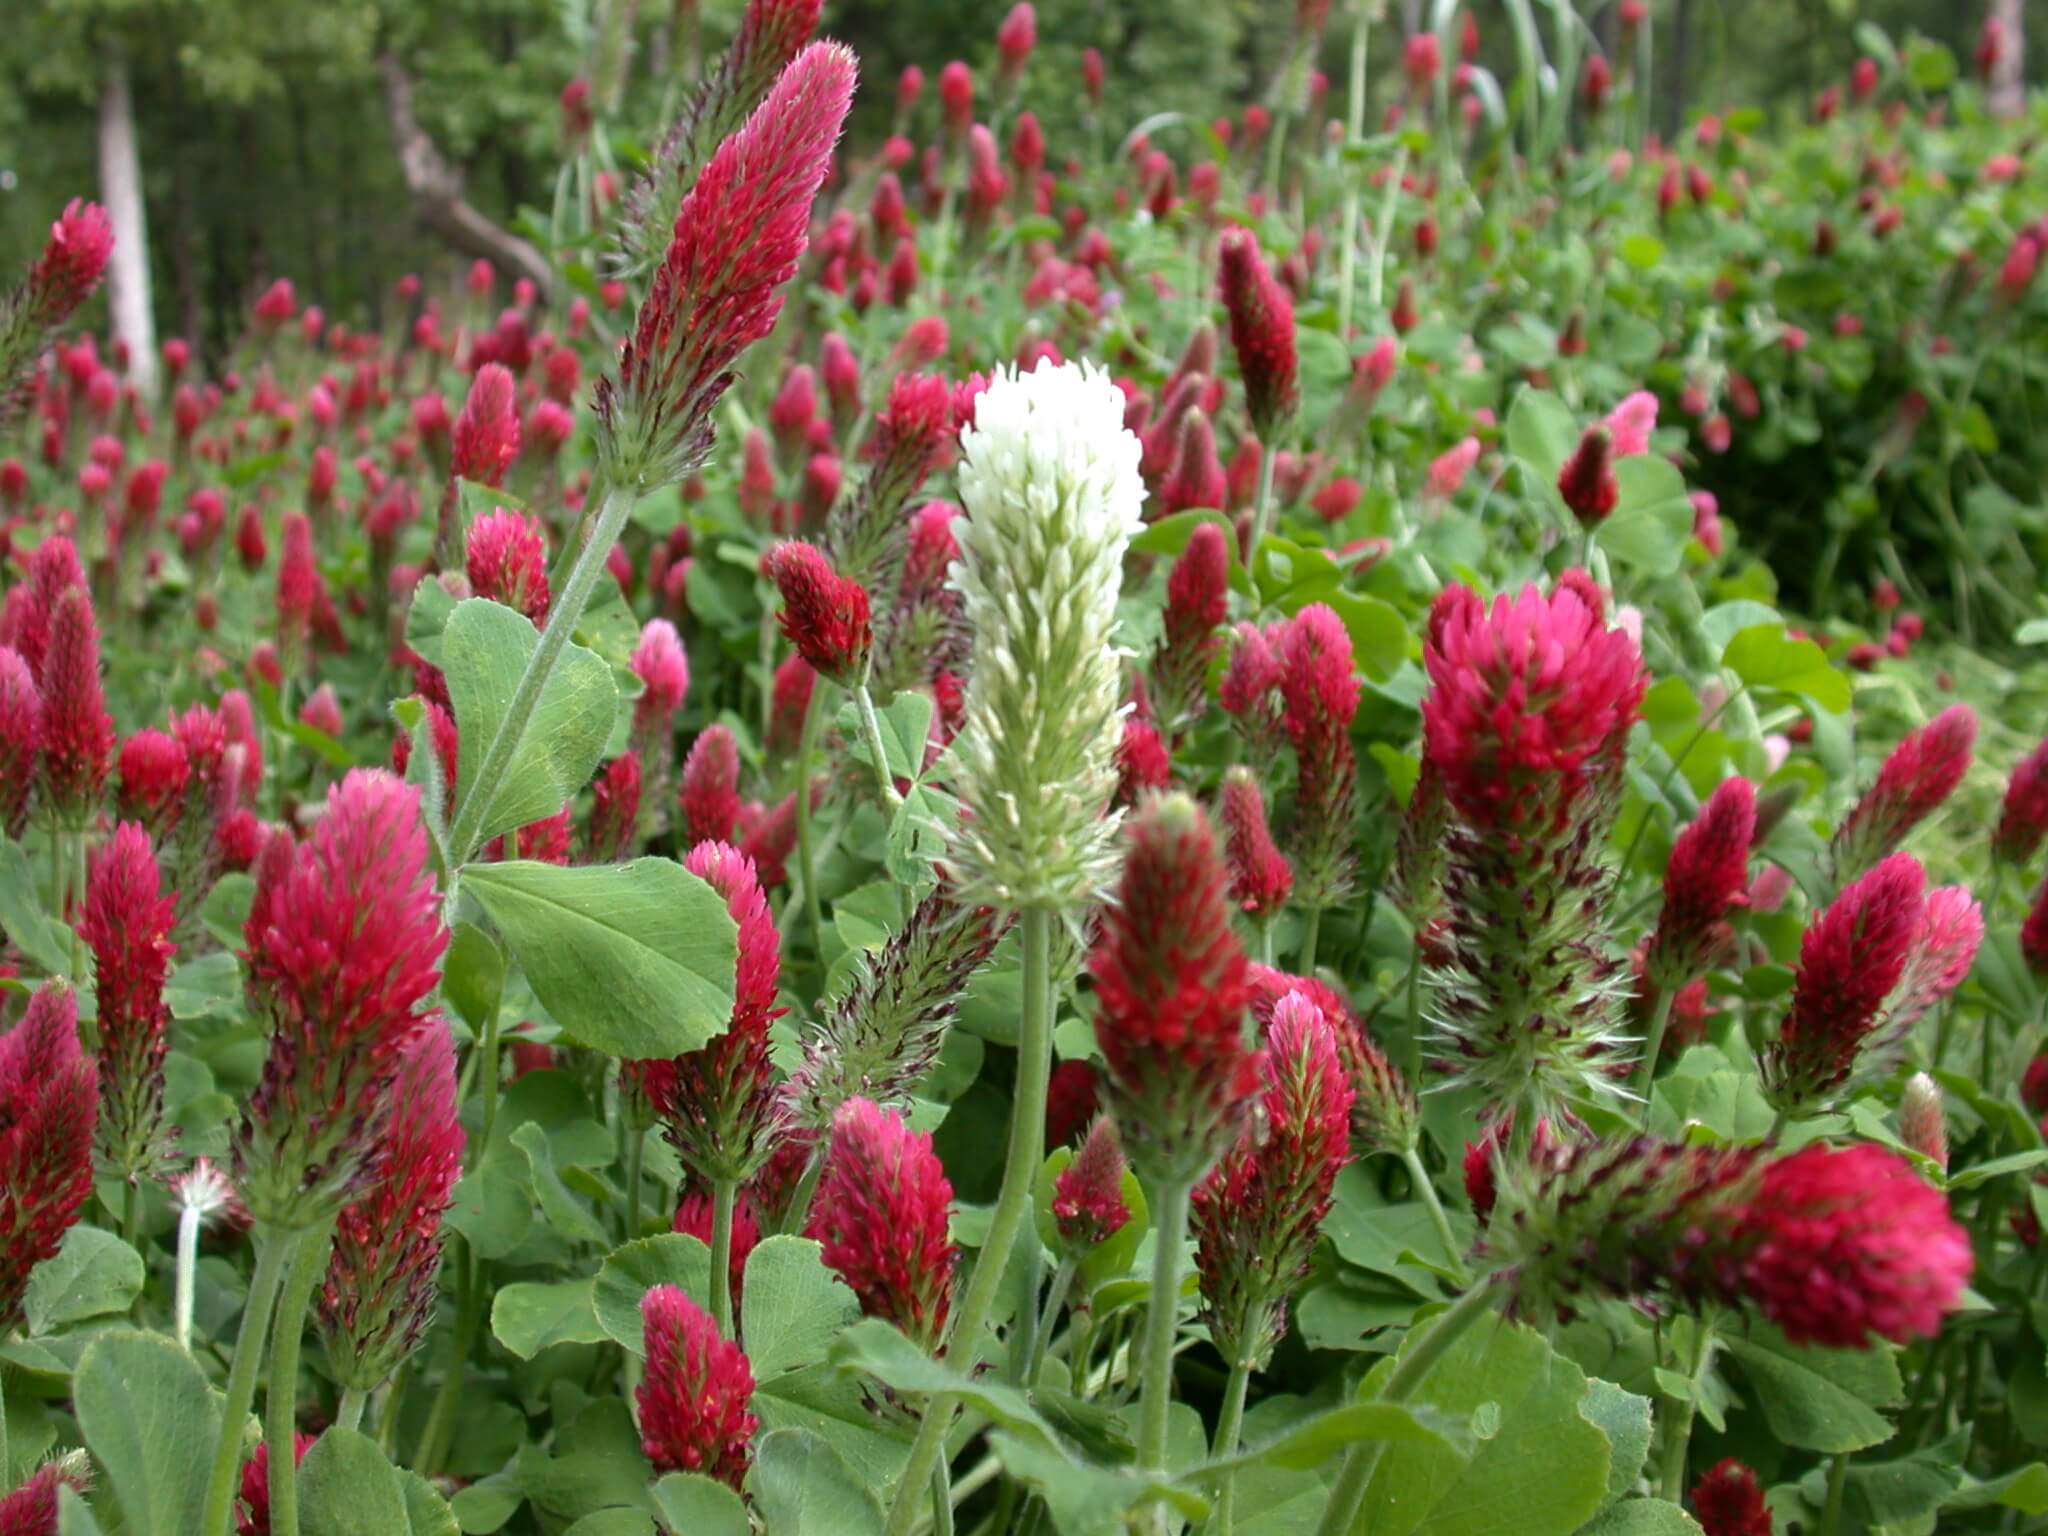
<point x="1587" y="481"/>
<point x="127" y="922"/>
<point x="710" y="795"/>
<point x="789" y="699"/>
<point x="1088" y="1204"/>
<point x="77" y="732"/>
<point x="1708" y="874"/>
<point x="663" y="667"/>
<point x="1728" y="1501"/>
<point x="21" y="739"/>
<point x="1261" y="879"/>
<point x="615" y="810"/>
<point x="2022" y="821"/>
<point x="693" y="1398"/>
<point x="486" y="434"/>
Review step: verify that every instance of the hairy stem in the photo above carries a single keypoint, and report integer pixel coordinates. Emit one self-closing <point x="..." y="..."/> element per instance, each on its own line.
<point x="1419" y="1176"/>
<point x="1162" y="1317"/>
<point x="272" y="1250"/>
<point x="724" y="1194"/>
<point x="871" y="728"/>
<point x="1020" y="1174"/>
<point x="806" y="843"/>
<point x="281" y="1406"/>
<point x="1229" y="1424"/>
<point x="1653" y="1046"/>
<point x="349" y="1415"/>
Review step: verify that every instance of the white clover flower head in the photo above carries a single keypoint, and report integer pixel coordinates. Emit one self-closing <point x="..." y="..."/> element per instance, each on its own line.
<point x="204" y="1190"/>
<point x="1049" y="477"/>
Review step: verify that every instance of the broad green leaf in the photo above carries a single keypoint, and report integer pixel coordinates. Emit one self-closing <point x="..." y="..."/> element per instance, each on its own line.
<point x="801" y="1488"/>
<point x="473" y="976"/>
<point x="792" y="1306"/>
<point x="1625" y="1418"/>
<point x="209" y="986"/>
<point x="347" y="1488"/>
<point x="1905" y="1492"/>
<point x="1311" y="1442"/>
<point x="73" y="1517"/>
<point x="1542" y="1471"/>
<point x="91" y="1274"/>
<point x="596" y="1463"/>
<point x="905" y="726"/>
<point x="635" y="960"/>
<point x="567" y="1215"/>
<point x="492" y="1207"/>
<point x="1084" y="1499"/>
<point x="484" y="649"/>
<point x="432" y="603"/>
<point x="37" y="935"/>
<point x="1379" y="635"/>
<point x="613" y="1522"/>
<point x="2024" y="1489"/>
<point x="1642" y="251"/>
<point x="426" y="1509"/>
<point x="1818" y="1399"/>
<point x="1764" y="656"/>
<point x="1541" y="432"/>
<point x="1652" y="519"/>
<point x="151" y="1423"/>
<point x="633" y="1269"/>
<point x="1642" y="1517"/>
<point x="878" y="1349"/>
<point x="693" y="1504"/>
<point x="527" y="1316"/>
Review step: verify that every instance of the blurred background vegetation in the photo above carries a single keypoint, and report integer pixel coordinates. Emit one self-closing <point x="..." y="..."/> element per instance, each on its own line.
<point x="266" y="147"/>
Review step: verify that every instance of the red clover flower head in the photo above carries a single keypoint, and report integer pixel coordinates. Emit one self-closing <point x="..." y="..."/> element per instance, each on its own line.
<point x="1727" y="1501"/>
<point x="1707" y="876"/>
<point x="49" y="1100"/>
<point x="31" y="1510"/>
<point x="824" y="614"/>
<point x="1921" y="772"/>
<point x="1197" y="601"/>
<point x="1088" y="1206"/>
<point x="1261" y="879"/>
<point x="2023" y="819"/>
<point x="693" y="1398"/>
<point x="710" y="795"/>
<point x="882" y="1212"/>
<point x="21" y="739"/>
<point x="77" y="732"/>
<point x="127" y="922"/>
<point x="507" y="561"/>
<point x="1262" y="332"/>
<point x="344" y="942"/>
<point x="663" y="667"/>
<point x="1587" y="481"/>
<point x="1171" y="988"/>
<point x="486" y="433"/>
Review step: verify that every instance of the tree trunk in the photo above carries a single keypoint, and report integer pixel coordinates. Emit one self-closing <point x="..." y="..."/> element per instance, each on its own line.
<point x="121" y="193"/>
<point x="436" y="188"/>
<point x="2008" y="79"/>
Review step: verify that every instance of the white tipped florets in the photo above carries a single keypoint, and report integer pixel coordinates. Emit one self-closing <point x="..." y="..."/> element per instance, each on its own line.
<point x="1050" y="479"/>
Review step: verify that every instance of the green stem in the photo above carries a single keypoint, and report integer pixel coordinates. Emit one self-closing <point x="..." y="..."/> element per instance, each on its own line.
<point x="636" y="1152"/>
<point x="1354" y="125"/>
<point x="1162" y="1319"/>
<point x="1420" y="1358"/>
<point x="131" y="1212"/>
<point x="1311" y="931"/>
<point x="724" y="1193"/>
<point x="281" y="1406"/>
<point x="349" y="1415"/>
<point x="871" y="728"/>
<point x="1229" y="1424"/>
<point x="1653" y="1046"/>
<point x="1679" y="1436"/>
<point x="942" y="1499"/>
<point x="566" y="614"/>
<point x="271" y="1253"/>
<point x="1020" y="1175"/>
<point x="1419" y="1176"/>
<point x="1838" y="1477"/>
<point x="440" y="1425"/>
<point x="6" y="1472"/>
<point x="1778" y="1123"/>
<point x="488" y="1054"/>
<point x="1262" y="509"/>
<point x="1055" y="1298"/>
<point x="1413" y="988"/>
<point x="806" y="845"/>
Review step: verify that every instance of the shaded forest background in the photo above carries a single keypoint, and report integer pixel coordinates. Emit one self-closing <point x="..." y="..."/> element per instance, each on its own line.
<point x="266" y="147"/>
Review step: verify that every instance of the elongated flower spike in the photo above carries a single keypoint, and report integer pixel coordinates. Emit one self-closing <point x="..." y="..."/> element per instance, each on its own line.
<point x="867" y="532"/>
<point x="1833" y="1246"/>
<point x="769" y="35"/>
<point x="614" y="811"/>
<point x="693" y="1398"/>
<point x="2034" y="933"/>
<point x="1050" y="480"/>
<point x="77" y="732"/>
<point x="1587" y="481"/>
<point x="21" y="739"/>
<point x="882" y="1212"/>
<point x="1088" y="1206"/>
<point x="1707" y="876"/>
<point x="1319" y="696"/>
<point x="1727" y="1501"/>
<point x="1524" y="726"/>
<point x="1921" y="772"/>
<point x="344" y="941"/>
<point x="49" y="1100"/>
<point x="1420" y="858"/>
<point x="1852" y="957"/>
<point x="824" y="615"/>
<point x="881" y="1037"/>
<point x="1257" y="1213"/>
<point x="57" y="283"/>
<point x="1945" y="941"/>
<point x="1262" y="333"/>
<point x="1385" y="1114"/>
<point x="718" y="1103"/>
<point x="1250" y="693"/>
<point x="1261" y="879"/>
<point x="1171" y="990"/>
<point x="2022" y="819"/>
<point x="710" y="796"/>
<point x="378" y="1298"/>
<point x="737" y="238"/>
<point x="1197" y="601"/>
<point x="127" y="922"/>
